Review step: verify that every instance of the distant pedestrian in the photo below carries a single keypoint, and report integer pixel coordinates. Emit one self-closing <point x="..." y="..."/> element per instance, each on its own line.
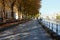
<point x="40" y="19"/>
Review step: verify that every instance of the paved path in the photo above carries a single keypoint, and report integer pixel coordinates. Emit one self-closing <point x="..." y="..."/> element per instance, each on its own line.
<point x="27" y="31"/>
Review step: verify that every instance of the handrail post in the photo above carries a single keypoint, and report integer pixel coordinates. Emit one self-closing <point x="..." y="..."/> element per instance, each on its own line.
<point x="52" y="26"/>
<point x="49" y="24"/>
<point x="57" y="28"/>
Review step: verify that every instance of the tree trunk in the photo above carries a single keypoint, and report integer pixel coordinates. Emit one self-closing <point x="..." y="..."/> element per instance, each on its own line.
<point x="12" y="15"/>
<point x="4" y="20"/>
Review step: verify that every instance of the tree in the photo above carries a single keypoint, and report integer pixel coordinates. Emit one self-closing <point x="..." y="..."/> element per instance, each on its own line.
<point x="58" y="17"/>
<point x="31" y="7"/>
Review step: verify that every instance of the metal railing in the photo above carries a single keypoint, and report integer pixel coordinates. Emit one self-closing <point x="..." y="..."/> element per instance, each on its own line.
<point x="55" y="27"/>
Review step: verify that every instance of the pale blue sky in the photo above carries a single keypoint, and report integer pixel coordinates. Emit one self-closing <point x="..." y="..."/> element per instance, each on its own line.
<point x="50" y="7"/>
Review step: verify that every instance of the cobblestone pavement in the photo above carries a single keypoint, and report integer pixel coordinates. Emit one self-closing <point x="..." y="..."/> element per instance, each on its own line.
<point x="26" y="31"/>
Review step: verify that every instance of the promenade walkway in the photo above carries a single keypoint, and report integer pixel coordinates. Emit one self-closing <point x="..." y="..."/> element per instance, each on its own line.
<point x="31" y="30"/>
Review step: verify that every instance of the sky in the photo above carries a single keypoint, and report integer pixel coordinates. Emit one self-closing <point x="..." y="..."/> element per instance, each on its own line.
<point x="50" y="7"/>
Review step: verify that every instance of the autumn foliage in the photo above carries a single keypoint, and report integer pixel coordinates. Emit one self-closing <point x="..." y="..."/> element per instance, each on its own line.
<point x="27" y="7"/>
